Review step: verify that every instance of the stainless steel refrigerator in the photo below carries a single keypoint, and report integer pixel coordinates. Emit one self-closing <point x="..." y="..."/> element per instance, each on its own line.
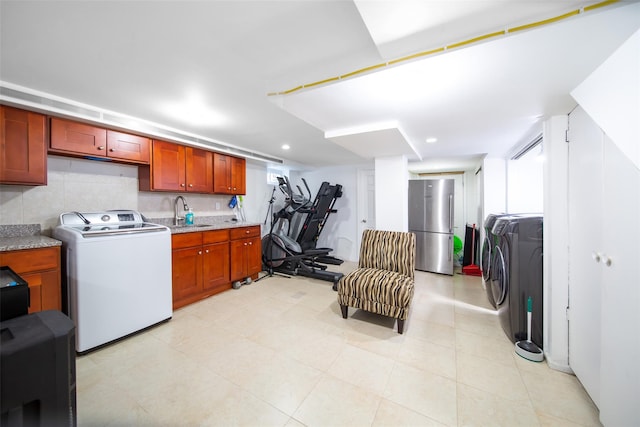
<point x="431" y="219"/>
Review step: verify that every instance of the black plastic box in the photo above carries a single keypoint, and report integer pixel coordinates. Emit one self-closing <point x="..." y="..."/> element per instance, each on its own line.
<point x="14" y="298"/>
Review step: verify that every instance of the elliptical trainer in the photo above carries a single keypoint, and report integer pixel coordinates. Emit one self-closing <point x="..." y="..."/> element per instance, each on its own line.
<point x="281" y="253"/>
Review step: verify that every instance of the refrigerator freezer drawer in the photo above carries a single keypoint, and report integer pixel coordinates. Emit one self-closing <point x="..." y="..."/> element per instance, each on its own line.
<point x="434" y="252"/>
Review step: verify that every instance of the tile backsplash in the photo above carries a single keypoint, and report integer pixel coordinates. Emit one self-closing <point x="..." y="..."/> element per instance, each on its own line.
<point x="88" y="185"/>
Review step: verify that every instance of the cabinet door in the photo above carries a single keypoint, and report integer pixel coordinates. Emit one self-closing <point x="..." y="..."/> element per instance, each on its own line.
<point x="128" y="147"/>
<point x="238" y="269"/>
<point x="585" y="238"/>
<point x="23" y="148"/>
<point x="168" y="166"/>
<point x="44" y="290"/>
<point x="199" y="169"/>
<point x="620" y="265"/>
<point x="238" y="176"/>
<point x="221" y="173"/>
<point x="187" y="272"/>
<point x="246" y="258"/>
<point x="78" y="138"/>
<point x="254" y="256"/>
<point x="215" y="266"/>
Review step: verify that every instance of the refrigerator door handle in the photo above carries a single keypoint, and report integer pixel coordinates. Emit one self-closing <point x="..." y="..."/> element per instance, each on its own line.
<point x="450" y="213"/>
<point x="450" y="248"/>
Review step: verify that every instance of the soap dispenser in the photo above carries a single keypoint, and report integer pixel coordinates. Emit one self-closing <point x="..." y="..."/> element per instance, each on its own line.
<point x="188" y="218"/>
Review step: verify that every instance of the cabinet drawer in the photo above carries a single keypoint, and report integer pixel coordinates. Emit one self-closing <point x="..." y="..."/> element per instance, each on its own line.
<point x="186" y="240"/>
<point x="216" y="236"/>
<point x="242" y="232"/>
<point x="28" y="260"/>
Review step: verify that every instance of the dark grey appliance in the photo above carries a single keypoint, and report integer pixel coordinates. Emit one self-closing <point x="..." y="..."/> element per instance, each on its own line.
<point x="489" y="243"/>
<point x="431" y="219"/>
<point x="517" y="275"/>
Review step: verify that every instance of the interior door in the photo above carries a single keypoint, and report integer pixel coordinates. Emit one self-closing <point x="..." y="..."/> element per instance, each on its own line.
<point x="366" y="201"/>
<point x="585" y="235"/>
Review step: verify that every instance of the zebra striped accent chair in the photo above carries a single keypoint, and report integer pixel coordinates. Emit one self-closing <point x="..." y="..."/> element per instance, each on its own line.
<point x="383" y="283"/>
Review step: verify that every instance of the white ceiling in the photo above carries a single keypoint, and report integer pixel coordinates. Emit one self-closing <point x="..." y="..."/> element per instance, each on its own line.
<point x="206" y="67"/>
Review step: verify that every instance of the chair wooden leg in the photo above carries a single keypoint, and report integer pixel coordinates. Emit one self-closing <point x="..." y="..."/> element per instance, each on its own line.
<point x="344" y="309"/>
<point x="400" y="326"/>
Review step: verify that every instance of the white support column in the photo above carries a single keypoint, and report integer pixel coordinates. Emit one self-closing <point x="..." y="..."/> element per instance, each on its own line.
<point x="556" y="244"/>
<point x="392" y="193"/>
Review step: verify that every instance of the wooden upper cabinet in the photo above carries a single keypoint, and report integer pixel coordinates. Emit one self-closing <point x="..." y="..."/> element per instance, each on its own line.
<point x="229" y="174"/>
<point x="238" y="175"/>
<point x="176" y="167"/>
<point x="221" y="176"/>
<point x="199" y="170"/>
<point x="23" y="147"/>
<point x="128" y="147"/>
<point x="80" y="139"/>
<point x="168" y="167"/>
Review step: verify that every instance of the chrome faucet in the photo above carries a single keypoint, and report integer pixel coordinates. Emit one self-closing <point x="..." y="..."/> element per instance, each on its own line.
<point x="185" y="207"/>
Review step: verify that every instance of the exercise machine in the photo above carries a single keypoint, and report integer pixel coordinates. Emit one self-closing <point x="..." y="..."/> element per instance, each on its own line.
<point x="283" y="254"/>
<point x="316" y="218"/>
<point x="309" y="219"/>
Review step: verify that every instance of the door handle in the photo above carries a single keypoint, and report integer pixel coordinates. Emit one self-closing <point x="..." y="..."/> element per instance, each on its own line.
<point x="364" y="221"/>
<point x="450" y="213"/>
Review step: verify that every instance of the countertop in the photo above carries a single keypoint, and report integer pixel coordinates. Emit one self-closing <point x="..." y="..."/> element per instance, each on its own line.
<point x="204" y="223"/>
<point x="177" y="229"/>
<point x="24" y="236"/>
<point x="28" y="236"/>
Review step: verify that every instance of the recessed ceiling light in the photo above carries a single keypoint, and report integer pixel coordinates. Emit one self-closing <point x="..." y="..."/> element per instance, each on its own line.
<point x="285" y="146"/>
<point x="431" y="140"/>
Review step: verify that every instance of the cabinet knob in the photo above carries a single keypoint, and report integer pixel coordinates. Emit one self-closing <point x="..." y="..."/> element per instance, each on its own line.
<point x="247" y="231"/>
<point x="206" y="251"/>
<point x="250" y="243"/>
<point x="245" y="243"/>
<point x="112" y="149"/>
<point x="596" y="256"/>
<point x="199" y="252"/>
<point x="101" y="147"/>
<point x="181" y="185"/>
<point x="607" y="261"/>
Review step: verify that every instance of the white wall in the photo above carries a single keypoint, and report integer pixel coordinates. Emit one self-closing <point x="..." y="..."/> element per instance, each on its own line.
<point x="524" y="183"/>
<point x="494" y="172"/>
<point x="340" y="232"/>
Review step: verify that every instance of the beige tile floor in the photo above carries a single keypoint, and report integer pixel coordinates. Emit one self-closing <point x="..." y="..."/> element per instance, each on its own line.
<point x="278" y="353"/>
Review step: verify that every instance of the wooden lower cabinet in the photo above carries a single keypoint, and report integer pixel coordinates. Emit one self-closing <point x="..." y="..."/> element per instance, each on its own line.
<point x="200" y="265"/>
<point x="246" y="252"/>
<point x="40" y="268"/>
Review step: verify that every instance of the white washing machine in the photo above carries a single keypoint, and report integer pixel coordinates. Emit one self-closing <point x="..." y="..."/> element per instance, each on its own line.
<point x="117" y="274"/>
